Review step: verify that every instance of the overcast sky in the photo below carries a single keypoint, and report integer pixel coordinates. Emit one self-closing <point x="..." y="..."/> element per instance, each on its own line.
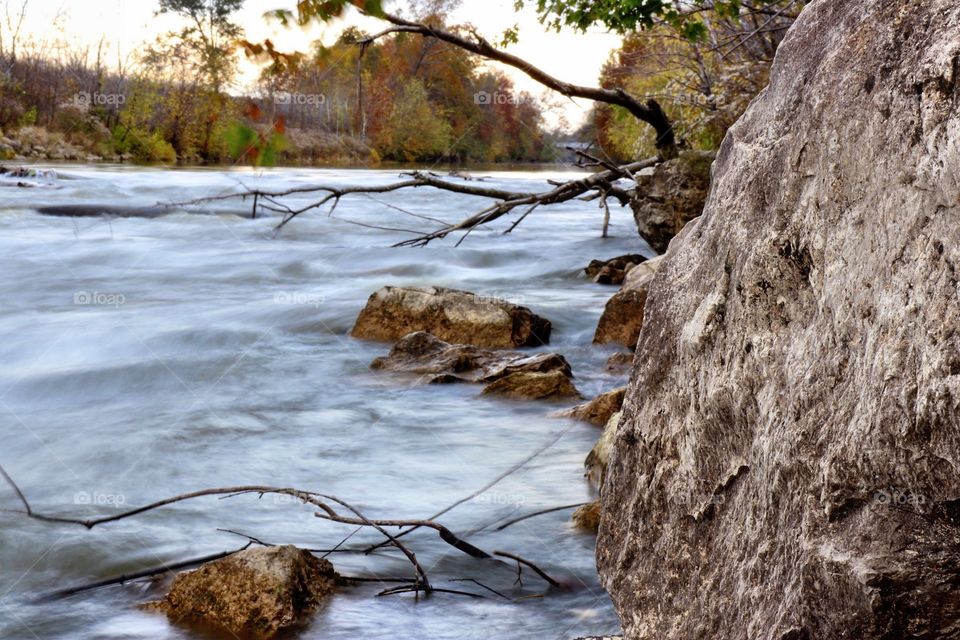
<point x="127" y="24"/>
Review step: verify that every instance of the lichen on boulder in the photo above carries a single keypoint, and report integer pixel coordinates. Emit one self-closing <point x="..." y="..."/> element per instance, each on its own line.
<point x="786" y="465"/>
<point x="533" y="385"/>
<point x="451" y="315"/>
<point x="256" y="593"/>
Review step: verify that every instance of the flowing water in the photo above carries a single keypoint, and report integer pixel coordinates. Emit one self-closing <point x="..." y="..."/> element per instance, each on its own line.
<point x="141" y="358"/>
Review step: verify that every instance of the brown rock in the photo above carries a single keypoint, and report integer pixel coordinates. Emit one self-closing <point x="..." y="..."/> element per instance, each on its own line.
<point x="598" y="411"/>
<point x="256" y="593"/>
<point x="620" y="362"/>
<point x="526" y="385"/>
<point x="587" y="517"/>
<point x="787" y="462"/>
<point x="424" y="353"/>
<point x="612" y="271"/>
<point x="623" y="314"/>
<point x="595" y="465"/>
<point x="451" y="315"/>
<point x="671" y="196"/>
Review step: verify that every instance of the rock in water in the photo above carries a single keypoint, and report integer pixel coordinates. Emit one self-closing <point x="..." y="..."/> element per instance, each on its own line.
<point x="423" y="353"/>
<point x="612" y="271"/>
<point x="598" y="411"/>
<point x="587" y="517"/>
<point x="256" y="593"/>
<point x="454" y="316"/>
<point x="533" y="385"/>
<point x="788" y="461"/>
<point x="623" y="314"/>
<point x="671" y="196"/>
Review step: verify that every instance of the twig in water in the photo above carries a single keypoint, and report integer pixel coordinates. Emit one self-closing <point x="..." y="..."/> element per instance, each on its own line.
<point x="540" y="572"/>
<point x="539" y="513"/>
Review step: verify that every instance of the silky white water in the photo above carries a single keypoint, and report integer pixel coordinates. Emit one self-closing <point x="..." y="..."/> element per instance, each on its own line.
<point x="141" y="358"/>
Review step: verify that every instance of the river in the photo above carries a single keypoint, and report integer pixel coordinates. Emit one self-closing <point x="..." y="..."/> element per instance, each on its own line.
<point x="147" y="357"/>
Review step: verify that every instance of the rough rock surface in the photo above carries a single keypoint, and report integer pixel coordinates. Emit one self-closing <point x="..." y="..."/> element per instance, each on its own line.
<point x="623" y="314"/>
<point x="533" y="385"/>
<point x="788" y="462"/>
<point x="620" y="362"/>
<point x="597" y="411"/>
<point x="256" y="593"/>
<point x="612" y="271"/>
<point x="671" y="196"/>
<point x="425" y="354"/>
<point x="451" y="315"/>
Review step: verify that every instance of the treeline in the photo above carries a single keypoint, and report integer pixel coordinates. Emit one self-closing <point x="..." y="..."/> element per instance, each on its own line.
<point x="704" y="80"/>
<point x="399" y="98"/>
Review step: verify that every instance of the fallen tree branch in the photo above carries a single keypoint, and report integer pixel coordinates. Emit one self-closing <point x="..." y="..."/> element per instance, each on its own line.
<point x="146" y="573"/>
<point x="539" y="513"/>
<point x="523" y="561"/>
<point x="649" y="112"/>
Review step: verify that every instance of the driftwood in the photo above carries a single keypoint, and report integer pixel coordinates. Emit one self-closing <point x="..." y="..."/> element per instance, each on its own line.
<point x="420" y="583"/>
<point x="598" y="185"/>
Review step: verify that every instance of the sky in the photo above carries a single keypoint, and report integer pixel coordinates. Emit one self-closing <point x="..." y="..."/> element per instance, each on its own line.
<point x="127" y="24"/>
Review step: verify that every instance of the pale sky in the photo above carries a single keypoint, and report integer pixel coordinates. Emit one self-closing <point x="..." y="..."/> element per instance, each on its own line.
<point x="127" y="24"/>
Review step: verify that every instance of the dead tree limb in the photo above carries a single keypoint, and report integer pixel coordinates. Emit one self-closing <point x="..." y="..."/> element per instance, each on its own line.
<point x="539" y="513"/>
<point x="523" y="561"/>
<point x="649" y="112"/>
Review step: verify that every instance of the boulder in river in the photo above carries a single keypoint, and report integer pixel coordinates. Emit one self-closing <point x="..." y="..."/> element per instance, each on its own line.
<point x="788" y="461"/>
<point x="533" y="385"/>
<point x="670" y="196"/>
<point x="587" y="517"/>
<point x="623" y="314"/>
<point x="451" y="315"/>
<point x="255" y="593"/>
<point x="612" y="271"/>
<point x="595" y="465"/>
<point x="425" y="354"/>
<point x="597" y="411"/>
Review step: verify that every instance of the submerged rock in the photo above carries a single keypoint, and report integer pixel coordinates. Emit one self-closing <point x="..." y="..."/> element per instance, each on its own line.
<point x="612" y="271"/>
<point x="255" y="593"/>
<point x="595" y="465"/>
<point x="597" y="411"/>
<point x="623" y="314"/>
<point x="423" y="353"/>
<point x="670" y="196"/>
<point x="451" y="315"/>
<point x="587" y="517"/>
<point x="620" y="362"/>
<point x="787" y="462"/>
<point x="533" y="385"/>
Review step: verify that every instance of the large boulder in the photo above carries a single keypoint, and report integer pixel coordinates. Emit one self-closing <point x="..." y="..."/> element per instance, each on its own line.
<point x="451" y="315"/>
<point x="255" y="593"/>
<point x="423" y="353"/>
<point x="623" y="314"/>
<point x="787" y="465"/>
<point x="670" y="196"/>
